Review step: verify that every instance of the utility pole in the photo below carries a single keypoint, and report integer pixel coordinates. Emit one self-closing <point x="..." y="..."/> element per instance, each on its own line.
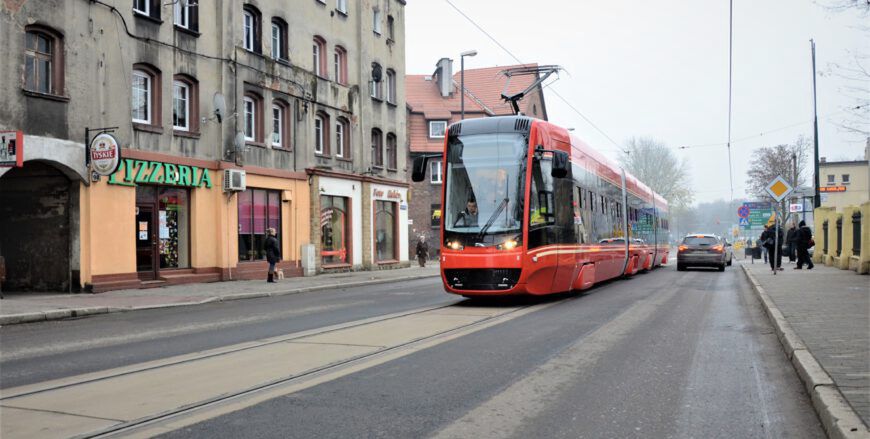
<point x="730" y="69"/>
<point x="817" y="198"/>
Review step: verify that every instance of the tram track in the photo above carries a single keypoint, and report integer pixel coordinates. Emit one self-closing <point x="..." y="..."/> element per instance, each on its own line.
<point x="445" y="322"/>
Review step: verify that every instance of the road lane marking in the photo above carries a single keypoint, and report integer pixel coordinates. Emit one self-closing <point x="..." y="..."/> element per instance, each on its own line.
<point x="153" y="391"/>
<point x="506" y="412"/>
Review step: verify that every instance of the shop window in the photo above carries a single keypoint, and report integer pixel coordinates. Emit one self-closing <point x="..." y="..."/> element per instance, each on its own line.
<point x="251" y="29"/>
<point x="391" y="151"/>
<point x="186" y="17"/>
<point x="391" y="86"/>
<point x="185" y="103"/>
<point x="377" y="148"/>
<point x="43" y="60"/>
<point x="259" y="209"/>
<point x="318" y="49"/>
<point x="334" y="230"/>
<point x="279" y="39"/>
<point x="146" y="93"/>
<point x="385" y="231"/>
<point x="340" y="58"/>
<point x="435" y="214"/>
<point x="342" y="138"/>
<point x="172" y="226"/>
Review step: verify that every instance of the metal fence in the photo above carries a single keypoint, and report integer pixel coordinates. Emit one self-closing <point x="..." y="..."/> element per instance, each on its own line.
<point x="825" y="237"/>
<point x="839" y="235"/>
<point x="856" y="233"/>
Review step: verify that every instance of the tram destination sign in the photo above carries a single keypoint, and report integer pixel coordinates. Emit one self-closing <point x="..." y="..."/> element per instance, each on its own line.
<point x="136" y="172"/>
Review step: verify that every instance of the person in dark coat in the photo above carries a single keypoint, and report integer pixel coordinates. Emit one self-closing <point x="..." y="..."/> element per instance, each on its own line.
<point x="273" y="252"/>
<point x="770" y="238"/>
<point x="804" y="236"/>
<point x="791" y="242"/>
<point x="422" y="251"/>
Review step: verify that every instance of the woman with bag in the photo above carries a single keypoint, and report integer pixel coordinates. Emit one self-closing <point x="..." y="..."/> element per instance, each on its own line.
<point x="273" y="253"/>
<point x="804" y="243"/>
<point x="770" y="237"/>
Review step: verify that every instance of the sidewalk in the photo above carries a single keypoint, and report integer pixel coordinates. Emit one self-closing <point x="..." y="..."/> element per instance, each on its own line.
<point x="33" y="307"/>
<point x="822" y="318"/>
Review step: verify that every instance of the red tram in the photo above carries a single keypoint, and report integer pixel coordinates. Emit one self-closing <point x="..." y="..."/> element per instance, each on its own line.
<point x="527" y="208"/>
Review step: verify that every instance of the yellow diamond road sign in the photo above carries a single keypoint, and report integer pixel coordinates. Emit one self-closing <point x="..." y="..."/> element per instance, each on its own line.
<point x="779" y="188"/>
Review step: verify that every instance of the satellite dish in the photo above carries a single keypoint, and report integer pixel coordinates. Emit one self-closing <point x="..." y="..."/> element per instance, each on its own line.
<point x="220" y="105"/>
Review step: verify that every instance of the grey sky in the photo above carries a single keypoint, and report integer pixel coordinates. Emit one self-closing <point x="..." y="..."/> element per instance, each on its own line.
<point x="660" y="69"/>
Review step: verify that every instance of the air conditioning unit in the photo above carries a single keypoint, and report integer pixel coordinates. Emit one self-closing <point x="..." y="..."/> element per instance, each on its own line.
<point x="234" y="180"/>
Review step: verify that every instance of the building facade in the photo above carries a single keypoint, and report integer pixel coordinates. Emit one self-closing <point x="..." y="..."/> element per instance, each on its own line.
<point x="192" y="93"/>
<point x="845" y="183"/>
<point x="434" y="102"/>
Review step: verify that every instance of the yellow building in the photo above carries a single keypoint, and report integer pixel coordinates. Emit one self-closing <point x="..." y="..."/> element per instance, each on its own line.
<point x="845" y="183"/>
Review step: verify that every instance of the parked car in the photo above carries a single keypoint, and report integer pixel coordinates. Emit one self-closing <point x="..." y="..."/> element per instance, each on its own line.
<point x="703" y="250"/>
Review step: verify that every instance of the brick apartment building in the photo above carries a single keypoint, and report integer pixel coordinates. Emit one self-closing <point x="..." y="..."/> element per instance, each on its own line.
<point x="433" y="104"/>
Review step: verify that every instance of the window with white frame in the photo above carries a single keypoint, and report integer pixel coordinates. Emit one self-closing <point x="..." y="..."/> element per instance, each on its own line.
<point x="340" y="58"/>
<point x="182" y="15"/>
<point x="341" y="6"/>
<point x="319" y="127"/>
<point x="249" y="25"/>
<point x="376" y="87"/>
<point x="376" y="21"/>
<point x="250" y="119"/>
<point x="318" y="51"/>
<point x="437" y="129"/>
<point x="845" y="178"/>
<point x="141" y="97"/>
<point x="391" y="86"/>
<point x="142" y="6"/>
<point x="276" y="40"/>
<point x="341" y="137"/>
<point x="435" y="171"/>
<point x="180" y="106"/>
<point x="277" y="126"/>
<point x="831" y="179"/>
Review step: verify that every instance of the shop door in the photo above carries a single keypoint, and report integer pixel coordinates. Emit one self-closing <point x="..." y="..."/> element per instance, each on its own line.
<point x="146" y="242"/>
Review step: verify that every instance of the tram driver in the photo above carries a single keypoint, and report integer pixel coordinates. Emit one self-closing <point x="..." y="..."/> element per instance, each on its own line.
<point x="468" y="217"/>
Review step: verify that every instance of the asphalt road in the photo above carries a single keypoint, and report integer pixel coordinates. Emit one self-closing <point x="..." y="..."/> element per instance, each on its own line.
<point x="663" y="354"/>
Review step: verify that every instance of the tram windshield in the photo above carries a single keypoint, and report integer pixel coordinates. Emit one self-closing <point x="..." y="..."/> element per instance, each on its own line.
<point x="484" y="193"/>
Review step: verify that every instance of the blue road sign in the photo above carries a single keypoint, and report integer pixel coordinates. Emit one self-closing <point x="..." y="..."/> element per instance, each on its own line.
<point x="744" y="222"/>
<point x="743" y="211"/>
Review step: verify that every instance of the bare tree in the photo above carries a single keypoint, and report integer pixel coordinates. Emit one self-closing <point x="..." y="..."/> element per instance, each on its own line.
<point x="770" y="162"/>
<point x="653" y="163"/>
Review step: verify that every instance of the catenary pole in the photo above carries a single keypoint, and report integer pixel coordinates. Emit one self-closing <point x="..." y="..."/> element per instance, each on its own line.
<point x="817" y="198"/>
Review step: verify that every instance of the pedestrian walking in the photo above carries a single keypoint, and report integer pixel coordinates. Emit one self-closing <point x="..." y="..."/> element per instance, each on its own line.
<point x="763" y="246"/>
<point x="273" y="253"/>
<point x="791" y="242"/>
<point x="422" y="251"/>
<point x="804" y="243"/>
<point x="771" y="237"/>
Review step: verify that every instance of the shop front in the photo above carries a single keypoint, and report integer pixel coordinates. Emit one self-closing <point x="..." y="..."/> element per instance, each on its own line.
<point x="389" y="225"/>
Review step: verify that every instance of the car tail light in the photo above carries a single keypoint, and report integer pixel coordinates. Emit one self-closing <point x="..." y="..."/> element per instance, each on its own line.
<point x="683" y="248"/>
<point x="718" y="248"/>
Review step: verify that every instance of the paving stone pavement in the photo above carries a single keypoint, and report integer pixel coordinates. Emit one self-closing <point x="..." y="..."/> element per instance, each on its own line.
<point x="829" y="309"/>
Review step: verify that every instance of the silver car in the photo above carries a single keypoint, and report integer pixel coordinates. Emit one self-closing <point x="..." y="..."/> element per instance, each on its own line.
<point x="703" y="250"/>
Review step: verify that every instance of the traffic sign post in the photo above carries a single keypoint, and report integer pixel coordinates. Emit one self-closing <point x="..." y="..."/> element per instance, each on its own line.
<point x="778" y="189"/>
<point x="743" y="211"/>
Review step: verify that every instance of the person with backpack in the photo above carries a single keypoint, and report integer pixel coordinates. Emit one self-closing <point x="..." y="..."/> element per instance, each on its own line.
<point x="804" y="242"/>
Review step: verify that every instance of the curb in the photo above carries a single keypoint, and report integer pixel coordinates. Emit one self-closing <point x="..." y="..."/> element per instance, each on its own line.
<point x="838" y="418"/>
<point x="58" y="314"/>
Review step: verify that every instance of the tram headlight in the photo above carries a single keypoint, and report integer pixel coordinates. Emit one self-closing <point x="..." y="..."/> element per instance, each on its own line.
<point x="455" y="245"/>
<point x="510" y="244"/>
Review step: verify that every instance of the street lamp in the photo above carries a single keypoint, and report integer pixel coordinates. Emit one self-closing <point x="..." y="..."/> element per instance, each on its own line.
<point x="462" y="78"/>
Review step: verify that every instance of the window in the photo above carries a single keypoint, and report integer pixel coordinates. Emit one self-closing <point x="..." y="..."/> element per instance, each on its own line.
<point x="334" y="230"/>
<point x="148" y="8"/>
<point x="391" y="86"/>
<point x="375" y="83"/>
<point x="252" y="105"/>
<point x="435" y="172"/>
<point x="279" y="39"/>
<point x="845" y="178"/>
<point x="279" y="128"/>
<point x="251" y="29"/>
<point x="180" y="106"/>
<point x="169" y="225"/>
<point x="186" y="17"/>
<point x="435" y="214"/>
<point x="250" y="119"/>
<point x="342" y="138"/>
<point x="391" y="35"/>
<point x="321" y="133"/>
<point x="831" y="179"/>
<point x="385" y="231"/>
<point x="391" y="151"/>
<point x="259" y="209"/>
<point x="376" y="21"/>
<point x="377" y="148"/>
<point x="341" y="6"/>
<point x="43" y="61"/>
<point x="146" y="95"/>
<point x="437" y="129"/>
<point x="340" y="59"/>
<point x="319" y="62"/>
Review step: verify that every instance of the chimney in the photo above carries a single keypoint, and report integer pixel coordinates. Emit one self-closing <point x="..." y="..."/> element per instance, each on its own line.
<point x="444" y="72"/>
